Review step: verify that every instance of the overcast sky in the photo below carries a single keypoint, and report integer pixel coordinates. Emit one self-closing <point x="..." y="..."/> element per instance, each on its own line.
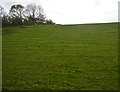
<point x="74" y="11"/>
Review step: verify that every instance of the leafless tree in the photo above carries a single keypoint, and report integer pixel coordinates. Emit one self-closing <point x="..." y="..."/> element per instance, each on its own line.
<point x="35" y="13"/>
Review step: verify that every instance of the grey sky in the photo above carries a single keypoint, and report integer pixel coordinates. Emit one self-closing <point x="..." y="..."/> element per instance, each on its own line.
<point x="74" y="11"/>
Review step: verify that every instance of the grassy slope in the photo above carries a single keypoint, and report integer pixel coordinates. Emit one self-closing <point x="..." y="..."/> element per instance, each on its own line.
<point x="60" y="57"/>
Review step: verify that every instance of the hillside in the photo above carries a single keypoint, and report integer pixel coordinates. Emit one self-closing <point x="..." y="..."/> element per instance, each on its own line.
<point x="60" y="57"/>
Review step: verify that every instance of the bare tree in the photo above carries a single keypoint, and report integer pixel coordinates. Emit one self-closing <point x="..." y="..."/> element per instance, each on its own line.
<point x="35" y="13"/>
<point x="30" y="10"/>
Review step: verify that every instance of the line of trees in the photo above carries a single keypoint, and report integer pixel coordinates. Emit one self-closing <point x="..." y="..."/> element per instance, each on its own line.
<point x="20" y="15"/>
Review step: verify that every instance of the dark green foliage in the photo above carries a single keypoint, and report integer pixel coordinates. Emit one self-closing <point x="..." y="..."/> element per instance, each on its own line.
<point x="5" y="21"/>
<point x="49" y="21"/>
<point x="16" y="13"/>
<point x="16" y="8"/>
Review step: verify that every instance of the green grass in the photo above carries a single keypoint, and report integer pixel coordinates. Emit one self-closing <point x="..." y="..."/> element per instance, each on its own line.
<point x="54" y="57"/>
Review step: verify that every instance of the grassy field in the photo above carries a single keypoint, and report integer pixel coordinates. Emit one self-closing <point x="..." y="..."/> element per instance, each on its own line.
<point x="56" y="57"/>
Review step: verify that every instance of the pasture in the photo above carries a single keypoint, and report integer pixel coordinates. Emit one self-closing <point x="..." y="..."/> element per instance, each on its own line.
<point x="60" y="57"/>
